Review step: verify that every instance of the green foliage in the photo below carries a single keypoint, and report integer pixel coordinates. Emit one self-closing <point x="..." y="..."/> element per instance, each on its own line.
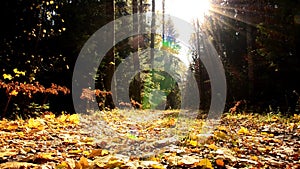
<point x="158" y="85"/>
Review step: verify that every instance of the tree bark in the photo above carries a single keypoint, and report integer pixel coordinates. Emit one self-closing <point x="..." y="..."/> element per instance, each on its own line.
<point x="110" y="16"/>
<point x="136" y="93"/>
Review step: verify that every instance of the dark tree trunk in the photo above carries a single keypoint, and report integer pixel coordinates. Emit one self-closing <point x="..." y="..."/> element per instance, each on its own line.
<point x="136" y="93"/>
<point x="110" y="60"/>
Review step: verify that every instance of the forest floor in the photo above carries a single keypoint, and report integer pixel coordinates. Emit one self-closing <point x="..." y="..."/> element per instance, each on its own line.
<point x="143" y="139"/>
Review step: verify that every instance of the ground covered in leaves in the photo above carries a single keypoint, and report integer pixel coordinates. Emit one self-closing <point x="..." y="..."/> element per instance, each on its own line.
<point x="156" y="139"/>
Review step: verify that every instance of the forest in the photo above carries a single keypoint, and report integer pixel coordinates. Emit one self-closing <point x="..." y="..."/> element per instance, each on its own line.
<point x="150" y="84"/>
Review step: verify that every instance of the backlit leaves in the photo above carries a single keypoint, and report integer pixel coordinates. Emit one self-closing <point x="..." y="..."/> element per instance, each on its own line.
<point x="59" y="142"/>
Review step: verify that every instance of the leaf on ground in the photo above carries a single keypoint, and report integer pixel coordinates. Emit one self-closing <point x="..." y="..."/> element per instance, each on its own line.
<point x="243" y="130"/>
<point x="212" y="146"/>
<point x="193" y="143"/>
<point x="98" y="152"/>
<point x="17" y="165"/>
<point x="83" y="162"/>
<point x="220" y="162"/>
<point x="205" y="163"/>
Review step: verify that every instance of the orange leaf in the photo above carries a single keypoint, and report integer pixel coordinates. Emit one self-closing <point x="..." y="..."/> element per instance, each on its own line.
<point x="96" y="152"/>
<point x="220" y="162"/>
<point x="84" y="162"/>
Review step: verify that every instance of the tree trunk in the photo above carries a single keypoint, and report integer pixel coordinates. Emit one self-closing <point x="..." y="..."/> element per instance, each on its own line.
<point x="250" y="63"/>
<point x="200" y="76"/>
<point x="110" y="14"/>
<point x="152" y="38"/>
<point x="136" y="93"/>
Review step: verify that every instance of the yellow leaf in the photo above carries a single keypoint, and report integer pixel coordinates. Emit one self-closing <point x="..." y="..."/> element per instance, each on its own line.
<point x="222" y="128"/>
<point x="32" y="123"/>
<point x="12" y="127"/>
<point x="243" y="130"/>
<point x="114" y="163"/>
<point x="264" y="133"/>
<point x="157" y="166"/>
<point x="261" y="149"/>
<point x="7" y="76"/>
<point x="75" y="151"/>
<point x="104" y="152"/>
<point x="205" y="163"/>
<point x="87" y="139"/>
<point x="220" y="135"/>
<point x="50" y="116"/>
<point x="15" y="70"/>
<point x="193" y="143"/>
<point x="213" y="146"/>
<point x="254" y="158"/>
<point x="62" y="165"/>
<point x="63" y="118"/>
<point x="86" y="153"/>
<point x="193" y="137"/>
<point x="74" y="118"/>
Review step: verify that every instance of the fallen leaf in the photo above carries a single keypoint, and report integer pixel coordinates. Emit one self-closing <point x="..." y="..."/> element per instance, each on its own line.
<point x="205" y="163"/>
<point x="243" y="130"/>
<point x="220" y="162"/>
<point x="83" y="162"/>
<point x="193" y="143"/>
<point x="17" y="165"/>
<point x="212" y="146"/>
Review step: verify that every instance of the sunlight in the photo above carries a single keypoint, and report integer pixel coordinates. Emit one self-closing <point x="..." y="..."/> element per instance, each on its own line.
<point x="188" y="10"/>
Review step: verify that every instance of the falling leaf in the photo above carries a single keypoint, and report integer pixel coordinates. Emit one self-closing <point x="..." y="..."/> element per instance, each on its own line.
<point x="13" y="93"/>
<point x="7" y="76"/>
<point x="15" y="70"/>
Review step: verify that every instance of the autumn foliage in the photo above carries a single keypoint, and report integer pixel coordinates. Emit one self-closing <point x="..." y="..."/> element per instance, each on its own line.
<point x="26" y="92"/>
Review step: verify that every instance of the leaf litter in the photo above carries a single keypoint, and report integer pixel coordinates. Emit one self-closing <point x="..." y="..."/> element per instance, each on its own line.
<point x="156" y="139"/>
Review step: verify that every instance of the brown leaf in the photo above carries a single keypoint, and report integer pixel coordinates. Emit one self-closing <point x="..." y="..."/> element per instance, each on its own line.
<point x="96" y="152"/>
<point x="84" y="162"/>
<point x="16" y="165"/>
